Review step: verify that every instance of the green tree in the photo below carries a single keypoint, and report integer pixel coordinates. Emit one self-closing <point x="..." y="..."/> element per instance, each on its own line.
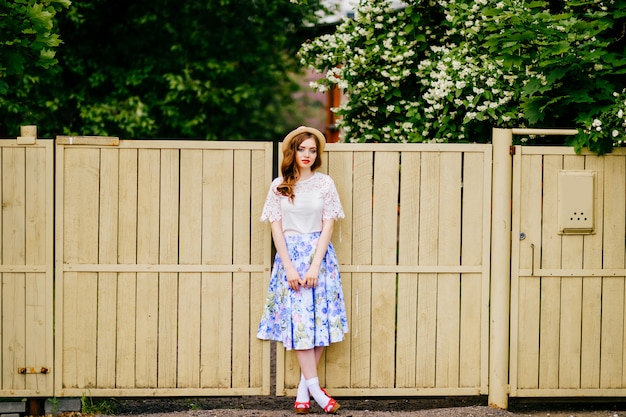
<point x="28" y="40"/>
<point x="448" y="71"/>
<point x="219" y="69"/>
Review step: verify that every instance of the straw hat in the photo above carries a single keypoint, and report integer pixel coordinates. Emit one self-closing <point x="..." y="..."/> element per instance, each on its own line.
<point x="305" y="129"/>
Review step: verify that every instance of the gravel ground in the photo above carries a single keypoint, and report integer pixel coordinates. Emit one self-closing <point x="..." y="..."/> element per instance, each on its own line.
<point x="368" y="407"/>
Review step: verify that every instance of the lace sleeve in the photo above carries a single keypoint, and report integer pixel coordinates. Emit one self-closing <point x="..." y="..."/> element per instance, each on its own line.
<point x="332" y="205"/>
<point x="271" y="209"/>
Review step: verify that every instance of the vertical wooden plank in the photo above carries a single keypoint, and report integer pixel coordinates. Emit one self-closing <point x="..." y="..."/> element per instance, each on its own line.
<point x="36" y="171"/>
<point x="14" y="206"/>
<point x="238" y="202"/>
<point x="126" y="329"/>
<point x="291" y="367"/>
<point x="620" y="245"/>
<point x="472" y="300"/>
<point x="80" y="211"/>
<point x="260" y="255"/>
<point x="83" y="334"/>
<point x="81" y="193"/>
<point x="384" y="233"/>
<point x="126" y="281"/>
<point x="190" y="284"/>
<point x="38" y="322"/>
<point x="71" y="353"/>
<point x="612" y="342"/>
<point x="13" y="253"/>
<point x="361" y="336"/>
<point x="550" y="286"/>
<point x="147" y="307"/>
<point x="592" y="286"/>
<point x="337" y="357"/>
<point x="239" y="308"/>
<point x="408" y="255"/>
<point x="486" y="269"/>
<point x="427" y="283"/>
<point x="238" y="312"/>
<point x="571" y="292"/>
<point x="107" y="254"/>
<point x="529" y="289"/>
<point x="14" y="325"/>
<point x="217" y="317"/>
<point x="340" y="170"/>
<point x="168" y="282"/>
<point x="449" y="288"/>
<point x="59" y="157"/>
<point x="13" y="284"/>
<point x="218" y="176"/>
<point x="50" y="270"/>
<point x="217" y="208"/>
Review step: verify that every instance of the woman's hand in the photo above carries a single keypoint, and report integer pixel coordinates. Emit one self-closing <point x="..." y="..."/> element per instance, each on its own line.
<point x="293" y="279"/>
<point x="310" y="278"/>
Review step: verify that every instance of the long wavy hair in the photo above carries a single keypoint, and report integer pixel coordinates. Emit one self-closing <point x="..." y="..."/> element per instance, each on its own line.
<point x="289" y="167"/>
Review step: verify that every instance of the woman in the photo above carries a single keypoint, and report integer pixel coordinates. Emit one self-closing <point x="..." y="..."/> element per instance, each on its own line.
<point x="305" y="308"/>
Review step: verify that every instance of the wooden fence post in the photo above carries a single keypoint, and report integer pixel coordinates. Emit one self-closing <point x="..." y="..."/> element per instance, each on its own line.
<point x="500" y="268"/>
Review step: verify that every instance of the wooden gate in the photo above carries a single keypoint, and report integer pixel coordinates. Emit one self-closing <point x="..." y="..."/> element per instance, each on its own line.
<point x="568" y="318"/>
<point x="160" y="267"/>
<point x="26" y="268"/>
<point x="414" y="254"/>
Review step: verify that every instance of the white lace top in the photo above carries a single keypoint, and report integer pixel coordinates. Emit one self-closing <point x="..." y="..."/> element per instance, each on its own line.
<point x="315" y="199"/>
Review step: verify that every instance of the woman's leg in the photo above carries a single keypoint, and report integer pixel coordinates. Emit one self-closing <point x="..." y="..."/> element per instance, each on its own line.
<point x="319" y="351"/>
<point x="308" y="360"/>
<point x="303" y="390"/>
<point x="308" y="363"/>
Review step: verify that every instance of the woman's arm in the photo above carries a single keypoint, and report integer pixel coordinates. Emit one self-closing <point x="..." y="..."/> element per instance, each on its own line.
<point x="310" y="278"/>
<point x="293" y="278"/>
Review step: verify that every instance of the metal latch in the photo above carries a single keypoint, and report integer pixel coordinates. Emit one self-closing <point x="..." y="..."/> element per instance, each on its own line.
<point x="42" y="370"/>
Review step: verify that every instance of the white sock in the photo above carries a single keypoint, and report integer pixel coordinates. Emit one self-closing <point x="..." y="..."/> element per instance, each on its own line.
<point x="314" y="388"/>
<point x="303" y="391"/>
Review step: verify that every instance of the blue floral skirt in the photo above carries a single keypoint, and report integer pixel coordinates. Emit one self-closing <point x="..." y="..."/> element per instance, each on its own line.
<point x="309" y="317"/>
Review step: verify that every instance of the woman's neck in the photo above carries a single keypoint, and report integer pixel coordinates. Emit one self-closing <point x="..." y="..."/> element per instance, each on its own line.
<point x="305" y="175"/>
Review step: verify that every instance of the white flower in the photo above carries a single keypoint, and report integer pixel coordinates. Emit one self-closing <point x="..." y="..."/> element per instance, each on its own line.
<point x="614" y="133"/>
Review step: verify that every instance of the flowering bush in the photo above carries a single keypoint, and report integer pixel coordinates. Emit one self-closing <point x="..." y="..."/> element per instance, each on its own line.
<point x="608" y="129"/>
<point x="449" y="71"/>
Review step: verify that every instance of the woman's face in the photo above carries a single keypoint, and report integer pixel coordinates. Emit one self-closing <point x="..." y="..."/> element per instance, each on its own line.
<point x="306" y="154"/>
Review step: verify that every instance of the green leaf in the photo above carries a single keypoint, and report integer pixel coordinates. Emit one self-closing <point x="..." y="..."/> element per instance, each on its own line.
<point x="532" y="110"/>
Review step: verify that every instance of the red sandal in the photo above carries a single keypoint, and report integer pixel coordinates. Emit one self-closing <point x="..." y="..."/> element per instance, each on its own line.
<point x="302" y="407"/>
<point x="331" y="407"/>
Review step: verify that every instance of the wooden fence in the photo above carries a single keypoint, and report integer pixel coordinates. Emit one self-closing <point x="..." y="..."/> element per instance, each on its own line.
<point x="568" y="318"/>
<point x="414" y="249"/>
<point x="161" y="266"/>
<point x="26" y="269"/>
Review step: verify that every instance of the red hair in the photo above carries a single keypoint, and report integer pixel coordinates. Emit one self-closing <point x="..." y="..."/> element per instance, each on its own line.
<point x="289" y="167"/>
